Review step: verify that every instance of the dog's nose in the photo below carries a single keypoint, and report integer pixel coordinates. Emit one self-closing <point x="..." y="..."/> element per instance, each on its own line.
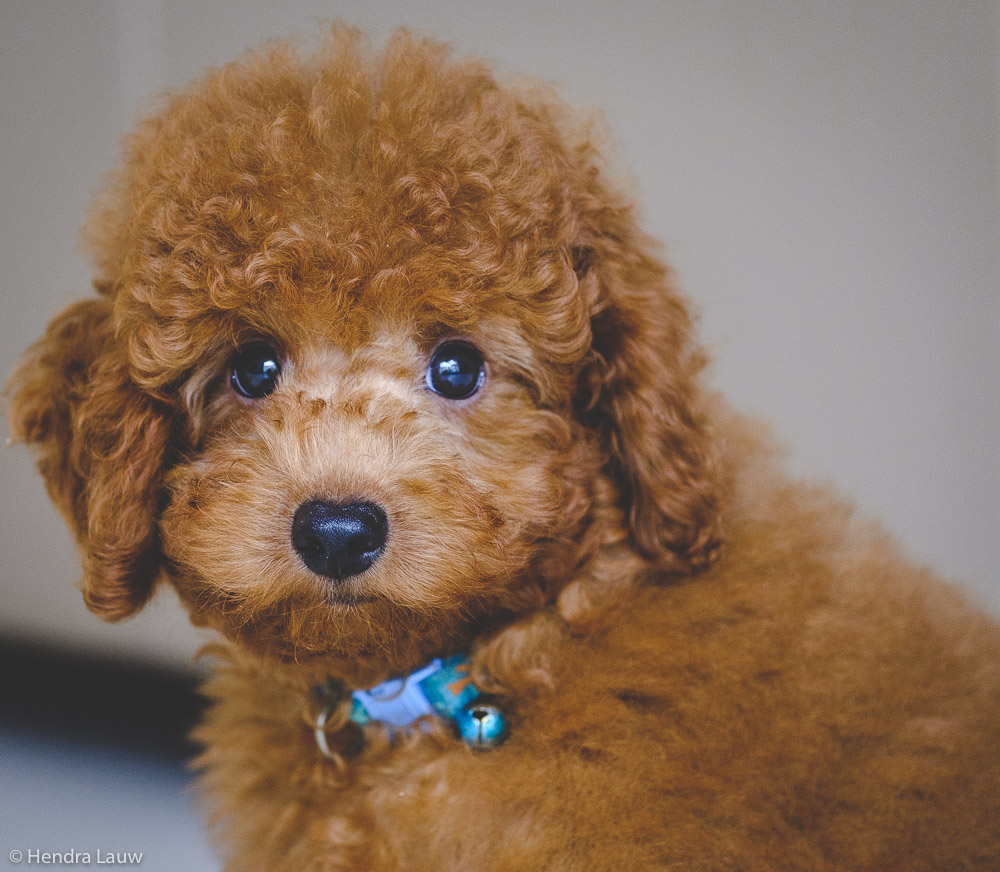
<point x="339" y="541"/>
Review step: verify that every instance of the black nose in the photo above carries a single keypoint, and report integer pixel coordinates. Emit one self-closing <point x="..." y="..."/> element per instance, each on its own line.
<point x="339" y="541"/>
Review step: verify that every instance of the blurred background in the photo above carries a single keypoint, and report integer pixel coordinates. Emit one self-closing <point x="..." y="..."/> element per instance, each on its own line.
<point x="825" y="175"/>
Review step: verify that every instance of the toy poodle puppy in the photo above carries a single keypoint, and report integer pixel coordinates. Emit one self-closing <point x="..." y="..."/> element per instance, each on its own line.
<point x="384" y="378"/>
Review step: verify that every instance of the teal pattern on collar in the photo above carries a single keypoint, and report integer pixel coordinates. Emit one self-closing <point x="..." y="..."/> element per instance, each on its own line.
<point x="441" y="688"/>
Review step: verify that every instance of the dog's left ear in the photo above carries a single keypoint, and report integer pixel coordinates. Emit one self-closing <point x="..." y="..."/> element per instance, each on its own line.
<point x="101" y="443"/>
<point x="640" y="387"/>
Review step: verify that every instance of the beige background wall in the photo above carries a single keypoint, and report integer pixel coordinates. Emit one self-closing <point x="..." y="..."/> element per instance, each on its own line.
<point x="826" y="175"/>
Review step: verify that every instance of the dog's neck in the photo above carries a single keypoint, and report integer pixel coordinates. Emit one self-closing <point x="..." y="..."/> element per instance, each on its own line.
<point x="510" y="662"/>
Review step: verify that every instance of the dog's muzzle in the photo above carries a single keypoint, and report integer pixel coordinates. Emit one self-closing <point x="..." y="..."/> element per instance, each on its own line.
<point x="339" y="540"/>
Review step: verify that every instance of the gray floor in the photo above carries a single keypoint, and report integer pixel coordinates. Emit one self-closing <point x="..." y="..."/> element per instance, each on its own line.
<point x="61" y="798"/>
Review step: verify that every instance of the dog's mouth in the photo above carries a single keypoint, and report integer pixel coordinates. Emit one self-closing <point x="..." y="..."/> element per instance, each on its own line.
<point x="347" y="599"/>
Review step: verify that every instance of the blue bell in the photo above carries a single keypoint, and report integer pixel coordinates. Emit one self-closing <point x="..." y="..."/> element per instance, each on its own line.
<point x="481" y="724"/>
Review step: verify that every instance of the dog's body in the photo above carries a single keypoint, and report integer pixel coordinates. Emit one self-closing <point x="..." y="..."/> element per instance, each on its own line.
<point x="810" y="703"/>
<point x="383" y="370"/>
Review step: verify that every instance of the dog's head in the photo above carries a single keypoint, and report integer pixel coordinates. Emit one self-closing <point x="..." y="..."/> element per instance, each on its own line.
<point x="377" y="354"/>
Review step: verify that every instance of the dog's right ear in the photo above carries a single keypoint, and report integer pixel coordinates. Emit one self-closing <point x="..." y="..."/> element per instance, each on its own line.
<point x="101" y="443"/>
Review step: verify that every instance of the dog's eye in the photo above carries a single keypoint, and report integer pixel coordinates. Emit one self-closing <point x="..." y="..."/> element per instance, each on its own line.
<point x="456" y="370"/>
<point x="255" y="370"/>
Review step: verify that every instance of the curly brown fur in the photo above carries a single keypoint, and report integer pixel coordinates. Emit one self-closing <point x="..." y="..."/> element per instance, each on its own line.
<point x="706" y="666"/>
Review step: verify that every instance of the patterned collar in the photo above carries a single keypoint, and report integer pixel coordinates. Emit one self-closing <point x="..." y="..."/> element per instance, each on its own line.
<point x="443" y="688"/>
